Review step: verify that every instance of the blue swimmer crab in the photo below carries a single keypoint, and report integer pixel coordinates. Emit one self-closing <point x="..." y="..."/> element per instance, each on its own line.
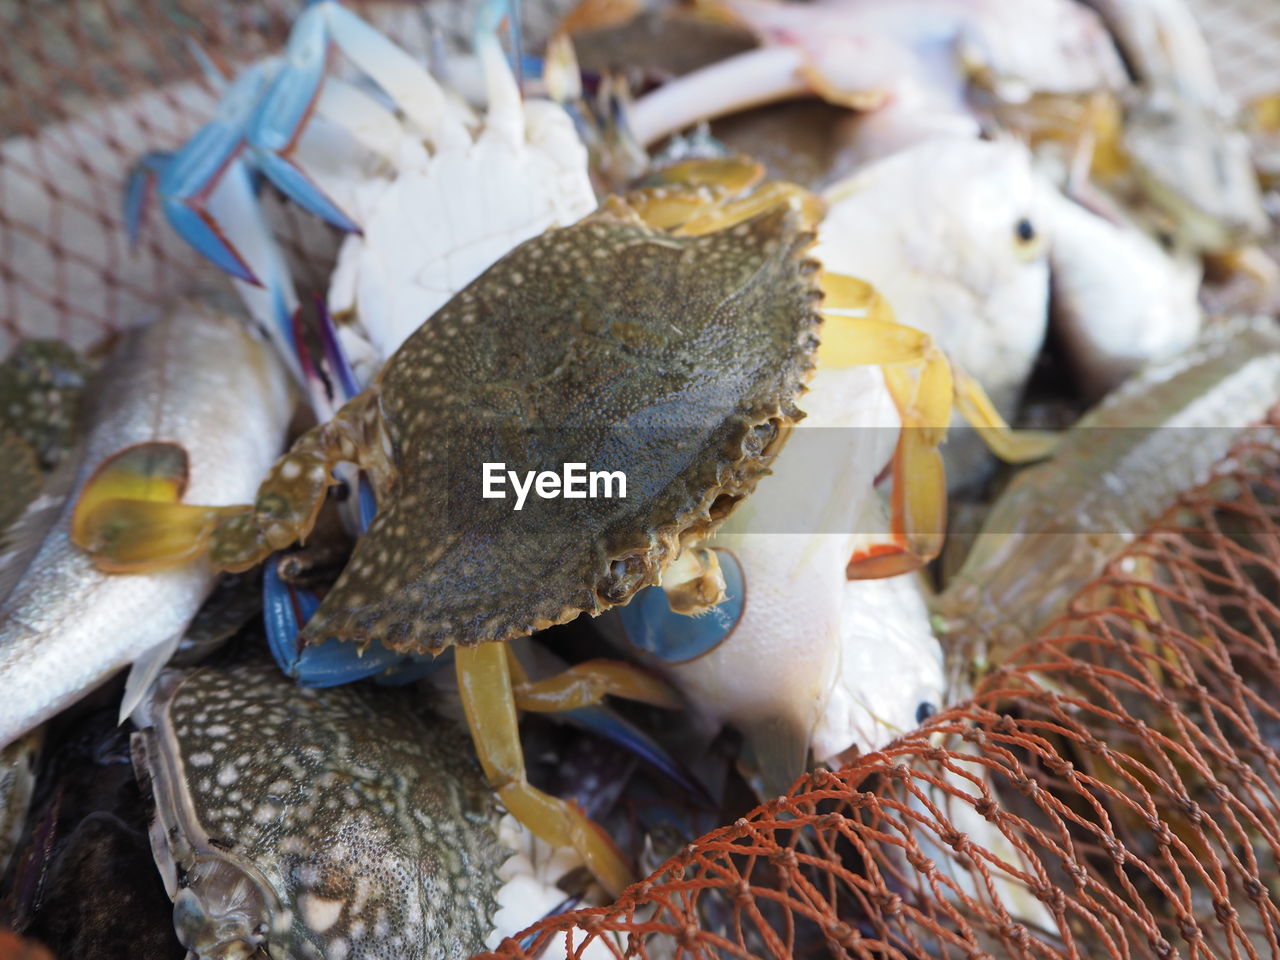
<point x="317" y="823"/>
<point x="389" y="168"/>
<point x="668" y="335"/>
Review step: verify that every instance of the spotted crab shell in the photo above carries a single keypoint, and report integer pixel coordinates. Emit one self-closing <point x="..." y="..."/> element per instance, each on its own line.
<point x="608" y="343"/>
<point x="315" y="823"/>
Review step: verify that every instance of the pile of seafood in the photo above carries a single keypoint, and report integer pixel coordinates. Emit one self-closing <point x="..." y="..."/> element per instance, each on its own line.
<point x="861" y="335"/>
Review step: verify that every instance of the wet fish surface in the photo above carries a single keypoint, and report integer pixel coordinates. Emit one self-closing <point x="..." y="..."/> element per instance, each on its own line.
<point x="197" y="379"/>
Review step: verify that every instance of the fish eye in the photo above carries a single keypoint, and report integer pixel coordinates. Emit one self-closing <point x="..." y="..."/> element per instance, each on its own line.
<point x="924" y="711"/>
<point x="1025" y="230"/>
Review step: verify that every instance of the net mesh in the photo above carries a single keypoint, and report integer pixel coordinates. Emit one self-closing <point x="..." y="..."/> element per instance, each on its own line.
<point x="1112" y="790"/>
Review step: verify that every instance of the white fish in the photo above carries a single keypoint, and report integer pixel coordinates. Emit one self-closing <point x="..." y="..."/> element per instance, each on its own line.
<point x="1119" y="300"/>
<point x="194" y="378"/>
<point x="953" y="235"/>
<point x="817" y="661"/>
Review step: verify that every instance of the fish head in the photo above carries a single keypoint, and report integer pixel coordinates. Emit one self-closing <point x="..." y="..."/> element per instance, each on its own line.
<point x="891" y="671"/>
<point x="951" y="233"/>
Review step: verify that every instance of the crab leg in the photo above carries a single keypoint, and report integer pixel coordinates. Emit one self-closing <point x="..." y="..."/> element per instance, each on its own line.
<point x="275" y="127"/>
<point x="136" y="534"/>
<point x="685" y="211"/>
<point x="273" y="300"/>
<point x="484" y="682"/>
<point x="920" y="380"/>
<point x="1011" y="446"/>
<point x="186" y="179"/>
<point x="505" y="110"/>
<point x="811" y="49"/>
<point x="738" y="83"/>
<point x="588" y="683"/>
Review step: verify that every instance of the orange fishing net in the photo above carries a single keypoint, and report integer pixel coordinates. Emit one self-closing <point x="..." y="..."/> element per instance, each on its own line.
<point x="1112" y="790"/>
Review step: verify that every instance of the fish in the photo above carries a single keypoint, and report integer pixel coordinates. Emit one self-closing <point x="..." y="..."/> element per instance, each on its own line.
<point x="953" y="234"/>
<point x="1057" y="524"/>
<point x="1119" y="299"/>
<point x="198" y="382"/>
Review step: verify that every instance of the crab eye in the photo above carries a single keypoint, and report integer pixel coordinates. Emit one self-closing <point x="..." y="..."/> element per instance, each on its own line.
<point x="924" y="711"/>
<point x="1026" y="231"/>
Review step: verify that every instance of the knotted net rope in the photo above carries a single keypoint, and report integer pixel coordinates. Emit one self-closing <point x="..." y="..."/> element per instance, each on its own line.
<point x="1111" y="790"/>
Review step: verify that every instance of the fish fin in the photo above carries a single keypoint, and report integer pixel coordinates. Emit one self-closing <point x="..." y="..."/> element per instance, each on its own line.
<point x="781" y="750"/>
<point x="20" y="541"/>
<point x="143" y="674"/>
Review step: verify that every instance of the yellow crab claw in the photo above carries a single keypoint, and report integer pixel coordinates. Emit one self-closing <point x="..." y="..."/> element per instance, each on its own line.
<point x="126" y="536"/>
<point x="484" y="683"/>
<point x="153" y="472"/>
<point x="129" y="516"/>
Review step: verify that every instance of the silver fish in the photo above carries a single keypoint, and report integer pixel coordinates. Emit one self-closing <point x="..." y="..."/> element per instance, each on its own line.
<point x="1057" y="524"/>
<point x="315" y="823"/>
<point x="194" y="378"/>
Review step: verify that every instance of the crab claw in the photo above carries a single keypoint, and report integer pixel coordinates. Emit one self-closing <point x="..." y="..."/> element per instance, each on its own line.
<point x="285" y="608"/>
<point x="270" y="297"/>
<point x="652" y="625"/>
<point x="184" y="182"/>
<point x="139" y="189"/>
<point x="276" y="123"/>
<point x="613" y="727"/>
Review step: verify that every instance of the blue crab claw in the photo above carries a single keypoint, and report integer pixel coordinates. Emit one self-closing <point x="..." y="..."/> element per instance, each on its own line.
<point x="277" y="122"/>
<point x="329" y="664"/>
<point x="613" y="727"/>
<point x="138" y="190"/>
<point x="184" y="182"/>
<point x="652" y="626"/>
<point x="270" y="299"/>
